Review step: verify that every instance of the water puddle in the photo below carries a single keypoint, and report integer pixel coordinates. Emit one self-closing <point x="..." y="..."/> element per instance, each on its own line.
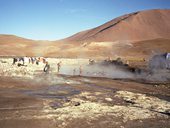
<point x="95" y="71"/>
<point x="54" y="91"/>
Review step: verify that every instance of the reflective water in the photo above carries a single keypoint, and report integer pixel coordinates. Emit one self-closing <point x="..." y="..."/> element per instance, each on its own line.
<point x="95" y="71"/>
<point x="54" y="91"/>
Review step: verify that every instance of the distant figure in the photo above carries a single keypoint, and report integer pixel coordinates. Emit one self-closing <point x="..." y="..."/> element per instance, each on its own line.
<point x="58" y="66"/>
<point x="30" y="60"/>
<point x="33" y="60"/>
<point x="26" y="60"/>
<point x="91" y="62"/>
<point x="37" y="61"/>
<point x="47" y="67"/>
<point x="74" y="71"/>
<point x="14" y="60"/>
<point x="80" y="70"/>
<point x="44" y="60"/>
<point x="21" y="59"/>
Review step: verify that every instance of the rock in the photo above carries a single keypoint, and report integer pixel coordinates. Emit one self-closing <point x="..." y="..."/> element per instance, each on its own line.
<point x="108" y="99"/>
<point x="76" y="104"/>
<point x="155" y="85"/>
<point x="129" y="101"/>
<point x="55" y="105"/>
<point x="145" y="102"/>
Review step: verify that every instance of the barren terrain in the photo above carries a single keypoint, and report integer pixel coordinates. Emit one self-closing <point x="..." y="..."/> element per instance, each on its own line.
<point x="31" y="98"/>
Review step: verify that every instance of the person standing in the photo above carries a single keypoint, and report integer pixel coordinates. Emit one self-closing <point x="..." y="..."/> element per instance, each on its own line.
<point x="47" y="67"/>
<point x="80" y="70"/>
<point x="74" y="71"/>
<point x="58" y="66"/>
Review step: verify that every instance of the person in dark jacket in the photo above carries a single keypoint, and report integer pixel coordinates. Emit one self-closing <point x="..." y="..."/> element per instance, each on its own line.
<point x="47" y="67"/>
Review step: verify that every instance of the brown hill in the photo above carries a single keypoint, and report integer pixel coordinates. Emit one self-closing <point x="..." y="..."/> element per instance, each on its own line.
<point x="136" y="26"/>
<point x="145" y="31"/>
<point x="11" y="45"/>
<point x="137" y="34"/>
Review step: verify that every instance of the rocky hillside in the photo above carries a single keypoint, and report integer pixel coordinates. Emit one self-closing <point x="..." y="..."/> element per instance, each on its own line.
<point x="144" y="25"/>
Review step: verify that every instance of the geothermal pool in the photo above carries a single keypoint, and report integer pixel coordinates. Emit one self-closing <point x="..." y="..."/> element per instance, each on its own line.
<point x="71" y="67"/>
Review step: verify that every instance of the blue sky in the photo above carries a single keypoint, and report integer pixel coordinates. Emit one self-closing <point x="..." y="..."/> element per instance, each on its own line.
<point x="57" y="19"/>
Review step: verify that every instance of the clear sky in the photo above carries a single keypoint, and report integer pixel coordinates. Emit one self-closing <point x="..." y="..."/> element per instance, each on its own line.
<point x="56" y="19"/>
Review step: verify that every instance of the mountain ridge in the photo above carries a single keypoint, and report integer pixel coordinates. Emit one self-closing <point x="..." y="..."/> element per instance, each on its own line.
<point x="141" y="26"/>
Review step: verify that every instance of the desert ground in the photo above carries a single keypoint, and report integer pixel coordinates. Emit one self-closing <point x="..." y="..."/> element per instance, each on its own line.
<point x="82" y="95"/>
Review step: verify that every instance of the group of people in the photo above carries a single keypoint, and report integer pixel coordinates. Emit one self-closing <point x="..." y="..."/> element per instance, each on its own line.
<point x="47" y="67"/>
<point x="80" y="71"/>
<point x="24" y="61"/>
